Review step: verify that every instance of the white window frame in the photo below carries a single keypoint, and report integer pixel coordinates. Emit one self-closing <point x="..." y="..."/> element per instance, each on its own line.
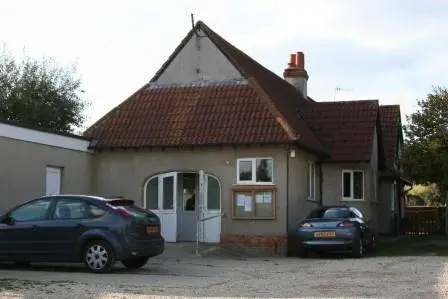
<point x="254" y="171"/>
<point x="311" y="173"/>
<point x="352" y="185"/>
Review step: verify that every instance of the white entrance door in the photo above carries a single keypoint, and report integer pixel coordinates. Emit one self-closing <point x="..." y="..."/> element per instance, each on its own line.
<point x="209" y="225"/>
<point x="167" y="202"/>
<point x="53" y="181"/>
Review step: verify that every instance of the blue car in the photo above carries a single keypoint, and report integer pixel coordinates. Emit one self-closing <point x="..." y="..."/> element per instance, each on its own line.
<point x="77" y="228"/>
<point x="335" y="228"/>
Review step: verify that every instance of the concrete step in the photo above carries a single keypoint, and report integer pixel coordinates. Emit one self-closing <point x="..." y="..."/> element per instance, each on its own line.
<point x="192" y="250"/>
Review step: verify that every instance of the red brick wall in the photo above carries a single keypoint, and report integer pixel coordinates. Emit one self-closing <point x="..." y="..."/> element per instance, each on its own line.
<point x="254" y="240"/>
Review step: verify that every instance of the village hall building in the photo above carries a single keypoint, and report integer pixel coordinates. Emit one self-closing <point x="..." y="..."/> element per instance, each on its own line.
<point x="222" y="149"/>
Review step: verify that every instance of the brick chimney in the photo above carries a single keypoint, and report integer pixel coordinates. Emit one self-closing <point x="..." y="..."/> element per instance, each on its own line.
<point x="296" y="74"/>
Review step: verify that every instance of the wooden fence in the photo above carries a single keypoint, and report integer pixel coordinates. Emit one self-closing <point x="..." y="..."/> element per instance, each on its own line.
<point x="420" y="221"/>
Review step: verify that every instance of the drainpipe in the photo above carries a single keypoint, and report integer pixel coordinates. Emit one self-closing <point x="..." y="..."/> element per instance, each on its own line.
<point x="287" y="194"/>
<point x="321" y="179"/>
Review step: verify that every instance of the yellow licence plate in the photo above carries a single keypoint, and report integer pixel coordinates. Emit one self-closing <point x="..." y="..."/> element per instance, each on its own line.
<point x="152" y="229"/>
<point x="325" y="234"/>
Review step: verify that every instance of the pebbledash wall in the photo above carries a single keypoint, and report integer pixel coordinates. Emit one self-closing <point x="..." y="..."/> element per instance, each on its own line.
<point x="125" y="173"/>
<point x="332" y="185"/>
<point x="25" y="155"/>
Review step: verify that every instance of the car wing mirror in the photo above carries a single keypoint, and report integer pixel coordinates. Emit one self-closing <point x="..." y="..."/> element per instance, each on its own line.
<point x="7" y="220"/>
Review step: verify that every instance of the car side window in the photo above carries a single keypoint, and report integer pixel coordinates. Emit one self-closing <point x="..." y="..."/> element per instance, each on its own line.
<point x="94" y="211"/>
<point x="33" y="211"/>
<point x="70" y="209"/>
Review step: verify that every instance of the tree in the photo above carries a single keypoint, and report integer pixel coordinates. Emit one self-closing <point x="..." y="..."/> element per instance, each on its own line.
<point x="40" y="94"/>
<point x="427" y="195"/>
<point x="425" y="155"/>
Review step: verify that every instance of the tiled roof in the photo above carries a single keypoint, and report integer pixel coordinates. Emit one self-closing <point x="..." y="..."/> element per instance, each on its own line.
<point x="265" y="109"/>
<point x="346" y="128"/>
<point x="278" y="96"/>
<point x="390" y="118"/>
<point x="180" y="116"/>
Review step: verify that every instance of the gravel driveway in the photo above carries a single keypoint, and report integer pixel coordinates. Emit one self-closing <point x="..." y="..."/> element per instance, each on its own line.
<point x="397" y="277"/>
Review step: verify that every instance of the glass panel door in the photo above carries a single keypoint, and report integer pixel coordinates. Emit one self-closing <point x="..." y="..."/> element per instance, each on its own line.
<point x="167" y="205"/>
<point x="168" y="193"/>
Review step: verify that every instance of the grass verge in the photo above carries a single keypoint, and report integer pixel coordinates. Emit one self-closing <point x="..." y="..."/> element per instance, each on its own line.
<point x="435" y="245"/>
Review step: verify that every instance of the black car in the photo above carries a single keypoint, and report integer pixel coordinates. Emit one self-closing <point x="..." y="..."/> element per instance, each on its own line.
<point x="77" y="228"/>
<point x="335" y="228"/>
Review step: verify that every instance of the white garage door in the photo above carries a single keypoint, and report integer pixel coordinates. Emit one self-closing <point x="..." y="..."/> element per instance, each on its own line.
<point x="53" y="181"/>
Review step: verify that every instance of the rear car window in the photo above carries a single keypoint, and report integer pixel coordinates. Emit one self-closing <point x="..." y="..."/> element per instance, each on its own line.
<point x="336" y="213"/>
<point x="130" y="207"/>
<point x="329" y="213"/>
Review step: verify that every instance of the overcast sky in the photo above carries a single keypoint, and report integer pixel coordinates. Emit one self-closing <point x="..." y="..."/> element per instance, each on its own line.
<point x="393" y="51"/>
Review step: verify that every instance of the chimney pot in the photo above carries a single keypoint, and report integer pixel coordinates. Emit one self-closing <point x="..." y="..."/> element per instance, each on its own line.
<point x="296" y="74"/>
<point x="300" y="61"/>
<point x="292" y="61"/>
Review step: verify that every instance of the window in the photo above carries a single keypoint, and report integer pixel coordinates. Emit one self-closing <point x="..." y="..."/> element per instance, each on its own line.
<point x="352" y="185"/>
<point x="152" y="194"/>
<point x="258" y="203"/>
<point x="255" y="171"/>
<point x="95" y="211"/>
<point x="311" y="180"/>
<point x="67" y="209"/>
<point x="33" y="211"/>
<point x="168" y="192"/>
<point x="393" y="195"/>
<point x="131" y="208"/>
<point x="337" y="212"/>
<point x="213" y="194"/>
<point x="188" y="181"/>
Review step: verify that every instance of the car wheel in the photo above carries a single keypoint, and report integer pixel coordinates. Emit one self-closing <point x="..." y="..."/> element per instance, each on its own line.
<point x="98" y="256"/>
<point x="135" y="262"/>
<point x="358" y="248"/>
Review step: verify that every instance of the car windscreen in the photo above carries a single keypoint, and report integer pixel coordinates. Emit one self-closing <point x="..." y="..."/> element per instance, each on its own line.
<point x="130" y="207"/>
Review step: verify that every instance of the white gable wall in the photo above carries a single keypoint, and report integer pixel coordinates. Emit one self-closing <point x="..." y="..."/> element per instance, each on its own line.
<point x="198" y="64"/>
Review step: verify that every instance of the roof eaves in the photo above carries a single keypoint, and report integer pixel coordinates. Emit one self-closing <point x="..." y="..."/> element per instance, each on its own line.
<point x="94" y="145"/>
<point x="337" y="161"/>
<point x="30" y="127"/>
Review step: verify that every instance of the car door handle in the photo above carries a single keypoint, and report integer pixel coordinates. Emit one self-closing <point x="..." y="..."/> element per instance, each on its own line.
<point x="80" y="225"/>
<point x="35" y="227"/>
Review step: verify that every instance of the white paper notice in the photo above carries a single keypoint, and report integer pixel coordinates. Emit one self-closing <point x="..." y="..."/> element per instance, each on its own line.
<point x="240" y="200"/>
<point x="267" y="197"/>
<point x="259" y="198"/>
<point x="248" y="204"/>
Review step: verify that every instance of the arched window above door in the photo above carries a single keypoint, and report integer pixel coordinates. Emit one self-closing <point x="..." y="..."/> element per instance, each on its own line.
<point x="153" y="200"/>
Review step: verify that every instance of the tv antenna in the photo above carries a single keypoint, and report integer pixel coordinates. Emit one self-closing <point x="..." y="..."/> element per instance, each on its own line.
<point x="192" y="24"/>
<point x="338" y="89"/>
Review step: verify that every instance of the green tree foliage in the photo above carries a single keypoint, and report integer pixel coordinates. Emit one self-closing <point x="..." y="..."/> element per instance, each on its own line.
<point x="40" y="94"/>
<point x="427" y="195"/>
<point x="425" y="155"/>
